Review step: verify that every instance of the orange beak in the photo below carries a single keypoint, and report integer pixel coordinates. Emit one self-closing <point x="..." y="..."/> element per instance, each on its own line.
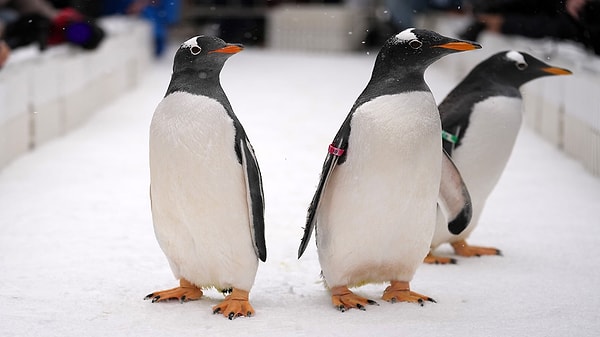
<point x="460" y="45"/>
<point x="556" y="71"/>
<point x="229" y="49"/>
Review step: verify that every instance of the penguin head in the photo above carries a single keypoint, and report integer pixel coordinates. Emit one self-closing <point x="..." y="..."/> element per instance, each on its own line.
<point x="517" y="68"/>
<point x="204" y="54"/>
<point x="419" y="48"/>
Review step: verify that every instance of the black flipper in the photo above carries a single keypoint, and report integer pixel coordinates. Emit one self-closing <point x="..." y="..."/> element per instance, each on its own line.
<point x="255" y="197"/>
<point x="311" y="219"/>
<point x="454" y="197"/>
<point x="336" y="156"/>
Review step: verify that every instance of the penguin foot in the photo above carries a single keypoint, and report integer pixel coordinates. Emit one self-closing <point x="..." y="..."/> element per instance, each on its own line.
<point x="344" y="299"/>
<point x="235" y="305"/>
<point x="461" y="248"/>
<point x="399" y="291"/>
<point x="432" y="259"/>
<point x="185" y="292"/>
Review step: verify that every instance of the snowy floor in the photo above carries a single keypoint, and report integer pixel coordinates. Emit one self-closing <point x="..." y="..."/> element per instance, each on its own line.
<point x="78" y="253"/>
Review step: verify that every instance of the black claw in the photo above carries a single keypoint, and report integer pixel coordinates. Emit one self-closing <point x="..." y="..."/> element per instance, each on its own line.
<point x="360" y="307"/>
<point x="453" y="261"/>
<point x="249" y="314"/>
<point x="371" y="302"/>
<point x="149" y="296"/>
<point x="498" y="252"/>
<point x="231" y="316"/>
<point x="155" y="299"/>
<point x="341" y="308"/>
<point x="216" y="311"/>
<point x="182" y="299"/>
<point x="431" y="300"/>
<point x="478" y="255"/>
<point x="421" y="302"/>
<point x="393" y="300"/>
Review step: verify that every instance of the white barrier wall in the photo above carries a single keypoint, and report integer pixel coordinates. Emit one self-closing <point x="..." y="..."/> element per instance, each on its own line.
<point x="46" y="94"/>
<point x="14" y="112"/>
<point x="316" y="27"/>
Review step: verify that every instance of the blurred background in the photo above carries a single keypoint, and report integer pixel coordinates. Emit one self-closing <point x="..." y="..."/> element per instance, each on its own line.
<point x="62" y="59"/>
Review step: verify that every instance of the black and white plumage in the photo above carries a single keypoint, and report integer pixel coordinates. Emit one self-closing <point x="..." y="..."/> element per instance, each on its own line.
<point x="454" y="199"/>
<point x="206" y="187"/>
<point x="374" y="209"/>
<point x="481" y="118"/>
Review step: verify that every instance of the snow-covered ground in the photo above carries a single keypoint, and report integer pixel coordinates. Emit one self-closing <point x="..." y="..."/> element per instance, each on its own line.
<point x="78" y="253"/>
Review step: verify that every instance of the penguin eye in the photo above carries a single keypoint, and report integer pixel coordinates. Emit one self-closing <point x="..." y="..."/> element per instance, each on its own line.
<point x="195" y="50"/>
<point x="521" y="65"/>
<point x="415" y="44"/>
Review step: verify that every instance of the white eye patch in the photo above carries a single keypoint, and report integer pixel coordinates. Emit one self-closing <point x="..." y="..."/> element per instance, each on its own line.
<point x="190" y="43"/>
<point x="193" y="45"/>
<point x="405" y="36"/>
<point x="517" y="58"/>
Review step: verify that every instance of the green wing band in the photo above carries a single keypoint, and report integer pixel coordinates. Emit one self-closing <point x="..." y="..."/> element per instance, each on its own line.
<point x="449" y="137"/>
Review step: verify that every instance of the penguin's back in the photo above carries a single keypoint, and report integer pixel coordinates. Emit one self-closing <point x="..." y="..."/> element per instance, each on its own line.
<point x="199" y="206"/>
<point x="379" y="206"/>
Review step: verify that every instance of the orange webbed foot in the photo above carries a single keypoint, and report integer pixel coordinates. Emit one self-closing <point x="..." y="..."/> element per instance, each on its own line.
<point x="433" y="259"/>
<point x="399" y="291"/>
<point x="185" y="292"/>
<point x="235" y="305"/>
<point x="461" y="248"/>
<point x="344" y="299"/>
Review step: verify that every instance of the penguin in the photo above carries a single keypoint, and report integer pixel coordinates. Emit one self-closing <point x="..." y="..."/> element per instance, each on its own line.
<point x="481" y="118"/>
<point x="374" y="208"/>
<point x="206" y="190"/>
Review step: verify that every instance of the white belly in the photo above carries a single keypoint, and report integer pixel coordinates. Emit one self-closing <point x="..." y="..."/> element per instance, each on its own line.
<point x="377" y="215"/>
<point x="486" y="147"/>
<point x="199" y="205"/>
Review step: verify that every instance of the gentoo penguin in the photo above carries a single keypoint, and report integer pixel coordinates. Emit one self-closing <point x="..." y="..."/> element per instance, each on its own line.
<point x="375" y="205"/>
<point x="206" y="187"/>
<point x="481" y="118"/>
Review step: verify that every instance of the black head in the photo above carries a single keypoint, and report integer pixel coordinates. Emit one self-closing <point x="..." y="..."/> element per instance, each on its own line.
<point x="205" y="54"/>
<point x="417" y="49"/>
<point x="198" y="64"/>
<point x="515" y="68"/>
<point x="403" y="59"/>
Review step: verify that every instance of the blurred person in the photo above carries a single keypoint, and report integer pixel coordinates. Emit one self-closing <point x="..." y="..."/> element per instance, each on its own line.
<point x="4" y="53"/>
<point x="4" y="48"/>
<point x="576" y="20"/>
<point x="29" y="21"/>
<point x="160" y="13"/>
<point x="403" y="11"/>
<point x="25" y="21"/>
